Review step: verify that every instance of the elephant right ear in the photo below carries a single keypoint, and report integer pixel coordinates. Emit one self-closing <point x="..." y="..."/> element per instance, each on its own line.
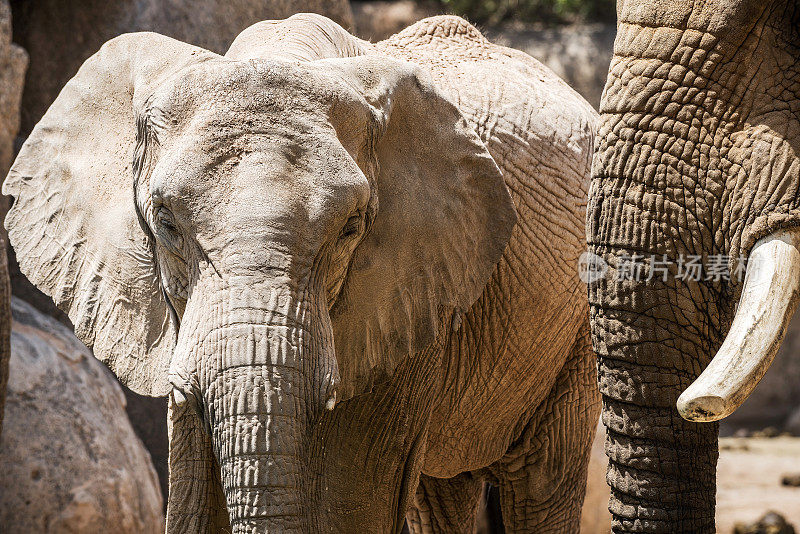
<point x="74" y="223"/>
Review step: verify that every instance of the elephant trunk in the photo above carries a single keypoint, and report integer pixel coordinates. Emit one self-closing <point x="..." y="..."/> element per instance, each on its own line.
<point x="684" y="175"/>
<point x="258" y="427"/>
<point x="656" y="319"/>
<point x="265" y="368"/>
<point x="662" y="469"/>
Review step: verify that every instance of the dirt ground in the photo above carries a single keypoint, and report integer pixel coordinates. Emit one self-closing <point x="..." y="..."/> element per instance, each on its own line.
<point x="749" y="480"/>
<point x="749" y="477"/>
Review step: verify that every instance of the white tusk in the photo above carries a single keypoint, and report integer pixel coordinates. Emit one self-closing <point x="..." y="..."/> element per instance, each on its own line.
<point x="330" y="404"/>
<point x="178" y="397"/>
<point x="769" y="298"/>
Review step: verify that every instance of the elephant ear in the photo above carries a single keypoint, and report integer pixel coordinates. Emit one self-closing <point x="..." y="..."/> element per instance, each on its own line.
<point x="443" y="219"/>
<point x="74" y="223"/>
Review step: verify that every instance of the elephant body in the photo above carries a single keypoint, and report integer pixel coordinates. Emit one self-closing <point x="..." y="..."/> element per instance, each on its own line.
<point x="529" y="322"/>
<point x="533" y="302"/>
<point x="437" y="342"/>
<point x="697" y="161"/>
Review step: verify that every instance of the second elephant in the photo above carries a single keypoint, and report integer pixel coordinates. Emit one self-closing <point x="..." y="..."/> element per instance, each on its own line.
<point x="352" y="266"/>
<point x="695" y="207"/>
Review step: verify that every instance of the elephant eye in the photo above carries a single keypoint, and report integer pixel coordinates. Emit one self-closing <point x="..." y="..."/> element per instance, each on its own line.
<point x="351" y="227"/>
<point x="167" y="231"/>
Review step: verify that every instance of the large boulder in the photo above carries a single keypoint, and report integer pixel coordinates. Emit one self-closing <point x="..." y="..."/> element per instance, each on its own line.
<point x="69" y="459"/>
<point x="13" y="62"/>
<point x="60" y="35"/>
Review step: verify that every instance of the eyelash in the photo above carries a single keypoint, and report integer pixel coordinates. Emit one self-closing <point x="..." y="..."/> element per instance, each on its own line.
<point x="168" y="232"/>
<point x="351" y="227"/>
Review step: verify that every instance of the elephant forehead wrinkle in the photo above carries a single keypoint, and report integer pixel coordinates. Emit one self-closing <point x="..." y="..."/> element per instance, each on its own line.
<point x="254" y="87"/>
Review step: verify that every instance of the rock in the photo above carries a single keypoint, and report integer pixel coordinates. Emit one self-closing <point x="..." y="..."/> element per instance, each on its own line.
<point x="734" y="444"/>
<point x="770" y="523"/>
<point x="579" y="54"/>
<point x="13" y="62"/>
<point x="60" y="35"/>
<point x="768" y="432"/>
<point x="378" y="20"/>
<point x="792" y="425"/>
<point x="792" y="480"/>
<point x="70" y="460"/>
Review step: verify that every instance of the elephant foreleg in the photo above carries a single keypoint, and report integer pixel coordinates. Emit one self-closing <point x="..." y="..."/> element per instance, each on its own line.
<point x="542" y="477"/>
<point x="445" y="505"/>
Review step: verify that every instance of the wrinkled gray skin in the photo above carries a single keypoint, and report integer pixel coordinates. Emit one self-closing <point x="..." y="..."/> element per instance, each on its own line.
<point x="362" y="299"/>
<point x="699" y="154"/>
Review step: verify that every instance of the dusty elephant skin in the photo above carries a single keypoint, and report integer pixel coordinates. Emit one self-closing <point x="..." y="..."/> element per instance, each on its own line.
<point x="352" y="267"/>
<point x="698" y="155"/>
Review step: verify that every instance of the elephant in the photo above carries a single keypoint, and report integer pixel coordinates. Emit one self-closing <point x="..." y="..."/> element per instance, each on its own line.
<point x="349" y="265"/>
<point x="698" y="161"/>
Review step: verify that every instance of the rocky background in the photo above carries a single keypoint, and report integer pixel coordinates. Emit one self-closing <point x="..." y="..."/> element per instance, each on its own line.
<point x="68" y="448"/>
<point x="70" y="460"/>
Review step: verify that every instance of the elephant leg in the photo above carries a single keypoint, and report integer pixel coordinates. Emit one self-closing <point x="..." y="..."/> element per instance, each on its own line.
<point x="542" y="477"/>
<point x="445" y="505"/>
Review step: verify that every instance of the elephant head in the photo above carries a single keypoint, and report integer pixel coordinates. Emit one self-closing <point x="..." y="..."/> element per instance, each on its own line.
<point x="259" y="236"/>
<point x="698" y="162"/>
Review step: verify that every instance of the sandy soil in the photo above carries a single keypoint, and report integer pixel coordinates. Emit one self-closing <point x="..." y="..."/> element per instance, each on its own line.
<point x="749" y="483"/>
<point x="749" y="480"/>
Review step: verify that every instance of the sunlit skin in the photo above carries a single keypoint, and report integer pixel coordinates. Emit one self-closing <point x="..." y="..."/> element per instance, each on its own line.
<point x="698" y="156"/>
<point x="351" y="266"/>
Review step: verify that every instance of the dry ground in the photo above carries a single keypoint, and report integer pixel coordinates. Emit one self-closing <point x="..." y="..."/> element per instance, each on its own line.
<point x="749" y="480"/>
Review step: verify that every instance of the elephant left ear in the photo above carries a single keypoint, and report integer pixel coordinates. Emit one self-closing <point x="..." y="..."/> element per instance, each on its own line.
<point x="444" y="217"/>
<point x="74" y="222"/>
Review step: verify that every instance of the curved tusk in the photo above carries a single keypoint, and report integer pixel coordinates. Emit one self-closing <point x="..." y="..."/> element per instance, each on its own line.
<point x="768" y="301"/>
